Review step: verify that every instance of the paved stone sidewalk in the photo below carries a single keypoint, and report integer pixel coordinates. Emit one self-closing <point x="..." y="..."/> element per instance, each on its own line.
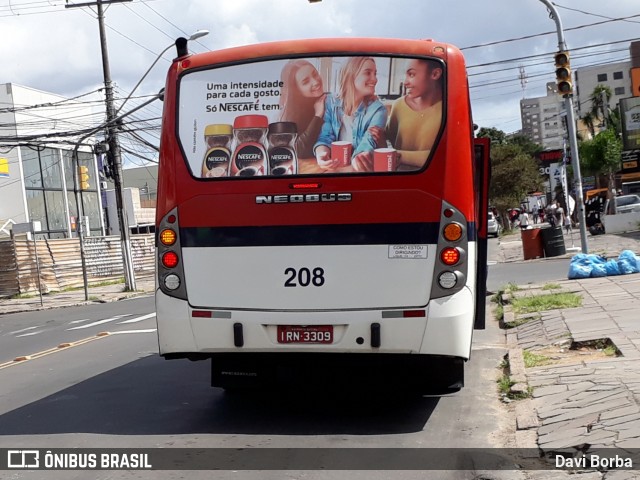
<point x="584" y="403"/>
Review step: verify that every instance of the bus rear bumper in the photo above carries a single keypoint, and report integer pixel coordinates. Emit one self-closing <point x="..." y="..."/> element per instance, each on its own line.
<point x="444" y="330"/>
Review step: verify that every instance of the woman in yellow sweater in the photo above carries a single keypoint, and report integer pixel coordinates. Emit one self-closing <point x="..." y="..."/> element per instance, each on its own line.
<point x="415" y="118"/>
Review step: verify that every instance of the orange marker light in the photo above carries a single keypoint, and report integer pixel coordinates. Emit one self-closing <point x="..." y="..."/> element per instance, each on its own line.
<point x="453" y="232"/>
<point x="168" y="237"/>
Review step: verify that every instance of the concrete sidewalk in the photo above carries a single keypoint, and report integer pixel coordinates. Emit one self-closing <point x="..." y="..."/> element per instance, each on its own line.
<point x="583" y="399"/>
<point x="608" y="245"/>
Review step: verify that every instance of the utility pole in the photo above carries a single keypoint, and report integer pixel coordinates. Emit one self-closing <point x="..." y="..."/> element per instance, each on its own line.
<point x="111" y="133"/>
<point x="571" y="124"/>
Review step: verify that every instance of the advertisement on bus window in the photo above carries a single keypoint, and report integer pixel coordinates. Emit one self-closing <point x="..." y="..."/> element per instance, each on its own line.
<point x="305" y="116"/>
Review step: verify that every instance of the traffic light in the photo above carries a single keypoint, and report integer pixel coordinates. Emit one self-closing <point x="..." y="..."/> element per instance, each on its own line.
<point x="83" y="177"/>
<point x="563" y="74"/>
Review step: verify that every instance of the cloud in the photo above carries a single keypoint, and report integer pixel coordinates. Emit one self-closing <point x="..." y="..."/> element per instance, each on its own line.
<point x="59" y="51"/>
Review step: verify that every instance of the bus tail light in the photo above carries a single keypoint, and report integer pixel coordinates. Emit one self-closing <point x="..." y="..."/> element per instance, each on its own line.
<point x="168" y="237"/>
<point x="447" y="280"/>
<point x="454" y="239"/>
<point x="450" y="256"/>
<point x="452" y="232"/>
<point x="169" y="265"/>
<point x="170" y="259"/>
<point x="172" y="281"/>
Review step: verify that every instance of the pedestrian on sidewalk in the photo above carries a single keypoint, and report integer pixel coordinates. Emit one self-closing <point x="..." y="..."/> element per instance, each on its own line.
<point x="559" y="213"/>
<point x="567" y="224"/>
<point x="524" y="220"/>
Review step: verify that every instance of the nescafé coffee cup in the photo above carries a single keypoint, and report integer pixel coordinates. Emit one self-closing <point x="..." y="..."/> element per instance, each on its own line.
<point x="342" y="151"/>
<point x="248" y="172"/>
<point x="385" y="160"/>
<point x="281" y="170"/>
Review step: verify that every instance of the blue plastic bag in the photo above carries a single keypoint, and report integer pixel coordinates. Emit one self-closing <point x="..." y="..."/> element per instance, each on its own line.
<point x="598" y="269"/>
<point x="627" y="262"/>
<point x="580" y="267"/>
<point x="612" y="267"/>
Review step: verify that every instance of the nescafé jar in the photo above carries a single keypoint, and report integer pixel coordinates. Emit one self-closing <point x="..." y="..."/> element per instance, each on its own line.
<point x="218" y="144"/>
<point x="283" y="159"/>
<point x="250" y="155"/>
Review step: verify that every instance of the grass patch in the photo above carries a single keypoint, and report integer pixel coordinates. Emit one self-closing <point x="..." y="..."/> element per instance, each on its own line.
<point x="548" y="301"/>
<point x="552" y="286"/>
<point x="504" y="384"/>
<point x="535" y="360"/>
<point x="611" y="351"/>
<point x="604" y="345"/>
<point x="513" y="287"/>
<point x="20" y="296"/>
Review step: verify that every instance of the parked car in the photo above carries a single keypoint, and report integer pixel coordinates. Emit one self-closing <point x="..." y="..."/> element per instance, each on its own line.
<point x="627" y="203"/>
<point x="493" y="227"/>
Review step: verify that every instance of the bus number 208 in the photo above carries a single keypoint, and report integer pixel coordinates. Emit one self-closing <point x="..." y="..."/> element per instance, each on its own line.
<point x="304" y="277"/>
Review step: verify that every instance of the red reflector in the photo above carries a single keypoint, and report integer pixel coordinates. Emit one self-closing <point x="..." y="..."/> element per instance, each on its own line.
<point x="171" y="218"/>
<point x="450" y="256"/>
<point x="297" y="186"/>
<point x="170" y="259"/>
<point x="448" y="213"/>
<point x="201" y="313"/>
<point x="413" y="313"/>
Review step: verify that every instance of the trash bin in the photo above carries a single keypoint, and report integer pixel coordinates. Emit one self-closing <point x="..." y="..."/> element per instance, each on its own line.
<point x="532" y="243"/>
<point x="553" y="242"/>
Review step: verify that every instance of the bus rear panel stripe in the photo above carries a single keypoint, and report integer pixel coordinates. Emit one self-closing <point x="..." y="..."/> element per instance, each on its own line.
<point x="350" y="234"/>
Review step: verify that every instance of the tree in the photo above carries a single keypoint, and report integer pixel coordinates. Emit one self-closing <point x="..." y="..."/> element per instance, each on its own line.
<point x="602" y="156"/>
<point x="589" y="122"/>
<point x="498" y="137"/>
<point x="525" y="143"/>
<point x="600" y="102"/>
<point x="514" y="174"/>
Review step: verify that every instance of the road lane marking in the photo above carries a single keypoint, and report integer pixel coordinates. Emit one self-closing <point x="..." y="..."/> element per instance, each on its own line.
<point x="99" y="322"/>
<point x="79" y="321"/>
<point x="29" y="334"/>
<point x="63" y="346"/>
<point x="138" y="319"/>
<point x="66" y="345"/>
<point x="148" y="330"/>
<point x="25" y="329"/>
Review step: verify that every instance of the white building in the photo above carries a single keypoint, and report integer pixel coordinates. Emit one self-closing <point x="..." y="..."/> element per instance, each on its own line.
<point x="543" y="119"/>
<point x="617" y="76"/>
<point x="36" y="168"/>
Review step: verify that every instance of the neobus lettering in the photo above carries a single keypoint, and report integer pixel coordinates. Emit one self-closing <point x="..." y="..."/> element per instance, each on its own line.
<point x="309" y="198"/>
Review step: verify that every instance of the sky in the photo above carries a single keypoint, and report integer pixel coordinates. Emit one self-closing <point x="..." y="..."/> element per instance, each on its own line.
<point x="49" y="47"/>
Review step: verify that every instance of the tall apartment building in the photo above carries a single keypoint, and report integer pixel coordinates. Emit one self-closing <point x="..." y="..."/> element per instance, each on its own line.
<point x="617" y="76"/>
<point x="543" y="119"/>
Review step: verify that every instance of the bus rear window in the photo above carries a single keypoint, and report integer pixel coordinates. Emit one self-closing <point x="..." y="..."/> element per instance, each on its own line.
<point x="309" y="116"/>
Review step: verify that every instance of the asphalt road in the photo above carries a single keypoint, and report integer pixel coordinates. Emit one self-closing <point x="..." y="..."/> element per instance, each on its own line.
<point x="115" y="391"/>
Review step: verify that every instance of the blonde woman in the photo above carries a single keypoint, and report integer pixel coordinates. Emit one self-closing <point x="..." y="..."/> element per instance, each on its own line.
<point x="349" y="116"/>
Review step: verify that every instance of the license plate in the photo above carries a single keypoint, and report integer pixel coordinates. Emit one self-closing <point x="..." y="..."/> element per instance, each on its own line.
<point x="305" y="334"/>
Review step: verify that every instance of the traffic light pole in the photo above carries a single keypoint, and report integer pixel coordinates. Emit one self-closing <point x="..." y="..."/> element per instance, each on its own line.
<point x="573" y="139"/>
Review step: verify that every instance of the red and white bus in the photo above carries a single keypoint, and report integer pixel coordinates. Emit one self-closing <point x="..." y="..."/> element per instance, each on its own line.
<point x="321" y="207"/>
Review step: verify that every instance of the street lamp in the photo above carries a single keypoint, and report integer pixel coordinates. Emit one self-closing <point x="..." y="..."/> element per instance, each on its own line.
<point x="195" y="35"/>
<point x="573" y="139"/>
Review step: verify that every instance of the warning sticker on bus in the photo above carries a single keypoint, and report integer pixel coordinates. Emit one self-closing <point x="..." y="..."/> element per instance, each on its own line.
<point x="407" y="251"/>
